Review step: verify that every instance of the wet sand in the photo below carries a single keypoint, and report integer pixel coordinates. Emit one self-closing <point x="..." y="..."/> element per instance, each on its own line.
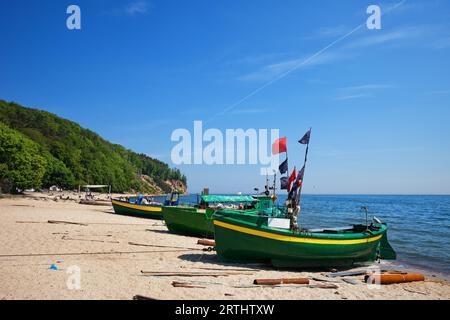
<point x="110" y="267"/>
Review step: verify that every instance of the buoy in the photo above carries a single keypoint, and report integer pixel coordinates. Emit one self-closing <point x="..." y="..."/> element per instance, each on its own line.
<point x="205" y="242"/>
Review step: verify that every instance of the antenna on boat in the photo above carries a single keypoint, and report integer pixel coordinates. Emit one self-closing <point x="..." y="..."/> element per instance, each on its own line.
<point x="274" y="182"/>
<point x="267" y="187"/>
<point x="366" y="210"/>
<point x="274" y="196"/>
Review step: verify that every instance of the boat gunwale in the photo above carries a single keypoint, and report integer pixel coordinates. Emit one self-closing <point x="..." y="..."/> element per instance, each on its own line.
<point x="372" y="236"/>
<point x="141" y="207"/>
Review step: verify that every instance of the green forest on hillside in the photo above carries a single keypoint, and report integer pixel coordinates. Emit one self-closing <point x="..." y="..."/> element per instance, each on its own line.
<point x="40" y="149"/>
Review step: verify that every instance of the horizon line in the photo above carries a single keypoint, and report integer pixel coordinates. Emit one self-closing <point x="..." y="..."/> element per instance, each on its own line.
<point x="342" y="194"/>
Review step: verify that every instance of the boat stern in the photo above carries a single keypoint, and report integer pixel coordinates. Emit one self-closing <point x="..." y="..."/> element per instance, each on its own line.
<point x="386" y="250"/>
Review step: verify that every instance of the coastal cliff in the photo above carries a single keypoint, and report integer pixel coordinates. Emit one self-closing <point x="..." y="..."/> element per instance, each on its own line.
<point x="39" y="149"/>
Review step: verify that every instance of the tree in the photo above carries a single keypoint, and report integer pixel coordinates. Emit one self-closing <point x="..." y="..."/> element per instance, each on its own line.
<point x="57" y="173"/>
<point x="22" y="164"/>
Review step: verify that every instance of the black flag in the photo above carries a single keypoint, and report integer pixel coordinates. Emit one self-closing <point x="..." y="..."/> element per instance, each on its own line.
<point x="284" y="166"/>
<point x="305" y="139"/>
<point x="284" y="183"/>
<point x="300" y="175"/>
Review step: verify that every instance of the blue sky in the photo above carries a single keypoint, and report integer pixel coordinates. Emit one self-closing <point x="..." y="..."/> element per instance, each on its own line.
<point x="378" y="100"/>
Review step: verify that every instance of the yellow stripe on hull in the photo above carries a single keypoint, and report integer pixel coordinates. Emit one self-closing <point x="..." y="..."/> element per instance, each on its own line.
<point x="137" y="207"/>
<point x="294" y="239"/>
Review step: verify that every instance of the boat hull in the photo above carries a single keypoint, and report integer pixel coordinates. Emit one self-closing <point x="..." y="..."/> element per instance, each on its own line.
<point x="241" y="241"/>
<point x="189" y="221"/>
<point x="135" y="210"/>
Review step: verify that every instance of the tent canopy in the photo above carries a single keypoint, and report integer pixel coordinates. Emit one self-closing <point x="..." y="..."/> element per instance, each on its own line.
<point x="228" y="199"/>
<point x="95" y="186"/>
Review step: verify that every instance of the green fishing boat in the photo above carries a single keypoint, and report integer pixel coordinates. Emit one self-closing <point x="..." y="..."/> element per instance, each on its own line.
<point x="142" y="207"/>
<point x="262" y="237"/>
<point x="256" y="238"/>
<point x="196" y="220"/>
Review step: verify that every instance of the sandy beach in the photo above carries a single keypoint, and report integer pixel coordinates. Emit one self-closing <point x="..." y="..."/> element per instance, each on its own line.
<point x="110" y="267"/>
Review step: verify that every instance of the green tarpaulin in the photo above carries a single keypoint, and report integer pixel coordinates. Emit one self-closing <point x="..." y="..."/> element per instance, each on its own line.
<point x="228" y="198"/>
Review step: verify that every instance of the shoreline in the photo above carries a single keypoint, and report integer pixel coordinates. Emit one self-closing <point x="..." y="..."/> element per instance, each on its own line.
<point x="112" y="250"/>
<point x="102" y="197"/>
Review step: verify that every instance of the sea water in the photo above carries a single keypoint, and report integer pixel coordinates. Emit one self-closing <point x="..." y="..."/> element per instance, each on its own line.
<point x="418" y="225"/>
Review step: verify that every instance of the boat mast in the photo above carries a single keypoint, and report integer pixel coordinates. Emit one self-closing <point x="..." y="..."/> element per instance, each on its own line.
<point x="274" y="190"/>
<point x="299" y="194"/>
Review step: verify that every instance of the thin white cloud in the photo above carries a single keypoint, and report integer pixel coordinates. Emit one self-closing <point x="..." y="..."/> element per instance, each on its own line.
<point x="249" y="111"/>
<point x="137" y="7"/>
<point x="442" y="43"/>
<point x="327" y="32"/>
<point x="438" y="92"/>
<point x="360" y="91"/>
<point x="273" y="72"/>
<point x="257" y="59"/>
<point x="134" y="8"/>
<point x="367" y="87"/>
<point x="368" y="39"/>
<point x="408" y="6"/>
<point x="379" y="38"/>
<point x="398" y="36"/>
<point x="351" y="97"/>
<point x="276" y="69"/>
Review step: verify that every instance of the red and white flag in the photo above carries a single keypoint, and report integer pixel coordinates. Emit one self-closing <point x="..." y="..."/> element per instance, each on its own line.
<point x="279" y="146"/>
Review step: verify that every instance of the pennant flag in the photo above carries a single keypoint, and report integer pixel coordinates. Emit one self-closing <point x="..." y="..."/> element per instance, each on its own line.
<point x="291" y="179"/>
<point x="299" y="180"/>
<point x="284" y="166"/>
<point x="279" y="146"/>
<point x="284" y="183"/>
<point x="305" y="139"/>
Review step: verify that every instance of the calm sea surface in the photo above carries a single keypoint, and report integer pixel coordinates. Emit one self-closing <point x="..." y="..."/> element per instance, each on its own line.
<point x="418" y="225"/>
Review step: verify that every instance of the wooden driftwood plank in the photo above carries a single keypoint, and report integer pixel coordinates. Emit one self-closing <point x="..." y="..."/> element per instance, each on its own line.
<point x="177" y="284"/>
<point x="190" y="274"/>
<point x="87" y="253"/>
<point x="222" y="269"/>
<point x="67" y="222"/>
<point x="273" y="282"/>
<point x="89" y="240"/>
<point x="346" y="273"/>
<point x="351" y="281"/>
<point x="161" y="246"/>
<point x="139" y="297"/>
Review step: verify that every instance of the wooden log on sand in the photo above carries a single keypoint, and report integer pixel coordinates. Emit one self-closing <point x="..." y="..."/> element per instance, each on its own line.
<point x="191" y="274"/>
<point x="160" y="246"/>
<point x="177" y="284"/>
<point x="95" y="202"/>
<point x="273" y="282"/>
<point x="139" y="297"/>
<point x="324" y="286"/>
<point x="66" y="222"/>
